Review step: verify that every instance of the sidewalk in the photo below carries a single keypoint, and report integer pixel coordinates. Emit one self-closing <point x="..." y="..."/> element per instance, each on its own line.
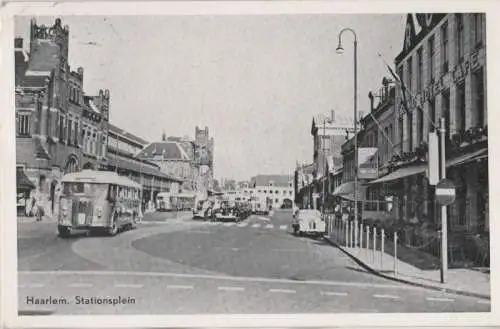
<point x="26" y="219"/>
<point x="469" y="282"/>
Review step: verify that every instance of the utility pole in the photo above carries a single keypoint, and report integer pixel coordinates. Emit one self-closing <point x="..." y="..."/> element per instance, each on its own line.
<point x="444" y="219"/>
<point x="323" y="140"/>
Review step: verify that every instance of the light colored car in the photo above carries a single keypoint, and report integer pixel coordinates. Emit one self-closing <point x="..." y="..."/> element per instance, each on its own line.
<point x="308" y="222"/>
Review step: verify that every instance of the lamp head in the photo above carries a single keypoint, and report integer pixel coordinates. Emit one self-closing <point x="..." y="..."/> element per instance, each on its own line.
<point x="340" y="49"/>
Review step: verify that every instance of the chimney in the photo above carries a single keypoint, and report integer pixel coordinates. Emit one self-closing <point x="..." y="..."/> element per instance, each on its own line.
<point x="18" y="43"/>
<point x="332" y="116"/>
<point x="385" y="83"/>
<point x="370" y="96"/>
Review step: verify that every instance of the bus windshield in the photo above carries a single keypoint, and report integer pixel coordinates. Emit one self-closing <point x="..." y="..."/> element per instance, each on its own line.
<point x="87" y="189"/>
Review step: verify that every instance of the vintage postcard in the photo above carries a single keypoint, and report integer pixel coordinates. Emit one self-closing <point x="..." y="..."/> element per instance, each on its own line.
<point x="248" y="164"/>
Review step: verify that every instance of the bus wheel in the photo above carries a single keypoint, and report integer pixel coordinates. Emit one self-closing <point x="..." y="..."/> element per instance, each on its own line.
<point x="113" y="230"/>
<point x="63" y="231"/>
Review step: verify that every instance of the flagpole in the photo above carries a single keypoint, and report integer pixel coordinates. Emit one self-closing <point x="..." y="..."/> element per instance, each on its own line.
<point x="405" y="90"/>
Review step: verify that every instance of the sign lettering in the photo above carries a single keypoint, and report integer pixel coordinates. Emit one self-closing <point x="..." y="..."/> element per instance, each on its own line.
<point x="461" y="70"/>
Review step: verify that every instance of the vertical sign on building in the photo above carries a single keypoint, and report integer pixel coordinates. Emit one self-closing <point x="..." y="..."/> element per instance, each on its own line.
<point x="433" y="159"/>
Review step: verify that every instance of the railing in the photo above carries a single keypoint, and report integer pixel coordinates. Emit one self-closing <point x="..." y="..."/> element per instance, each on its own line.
<point x="385" y="249"/>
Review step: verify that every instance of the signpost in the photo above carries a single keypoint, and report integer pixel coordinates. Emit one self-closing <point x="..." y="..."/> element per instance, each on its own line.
<point x="445" y="192"/>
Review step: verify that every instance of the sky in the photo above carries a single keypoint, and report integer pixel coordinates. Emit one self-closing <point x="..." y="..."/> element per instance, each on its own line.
<point x="256" y="80"/>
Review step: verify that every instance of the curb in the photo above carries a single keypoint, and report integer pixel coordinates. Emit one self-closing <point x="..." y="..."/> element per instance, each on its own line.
<point x="422" y="285"/>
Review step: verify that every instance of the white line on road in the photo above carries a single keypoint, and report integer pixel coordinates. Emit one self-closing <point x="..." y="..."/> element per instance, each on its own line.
<point x="332" y="293"/>
<point x="32" y="285"/>
<point x="229" y="224"/>
<point x="488" y="302"/>
<point x="80" y="285"/>
<point x="283" y="291"/>
<point x="216" y="277"/>
<point x="386" y="296"/>
<point x="269" y="226"/>
<point x="231" y="288"/>
<point x="436" y="299"/>
<point x="283" y="227"/>
<point x="256" y="225"/>
<point x="126" y="285"/>
<point x="242" y="224"/>
<point x="264" y="218"/>
<point x="174" y="286"/>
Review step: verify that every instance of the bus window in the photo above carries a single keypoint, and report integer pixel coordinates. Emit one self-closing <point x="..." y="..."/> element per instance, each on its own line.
<point x="73" y="188"/>
<point x="112" y="193"/>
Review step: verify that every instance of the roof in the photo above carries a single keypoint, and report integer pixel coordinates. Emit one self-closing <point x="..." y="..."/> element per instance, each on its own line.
<point x="133" y="165"/>
<point x="115" y="130"/>
<point x="169" y="149"/>
<point x="278" y="180"/>
<point x="100" y="177"/>
<point x="36" y="81"/>
<point x="23" y="182"/>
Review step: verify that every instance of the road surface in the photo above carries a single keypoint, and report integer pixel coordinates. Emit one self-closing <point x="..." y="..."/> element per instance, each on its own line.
<point x="175" y="265"/>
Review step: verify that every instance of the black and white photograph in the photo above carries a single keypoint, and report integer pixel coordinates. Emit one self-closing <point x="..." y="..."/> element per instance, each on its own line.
<point x="272" y="164"/>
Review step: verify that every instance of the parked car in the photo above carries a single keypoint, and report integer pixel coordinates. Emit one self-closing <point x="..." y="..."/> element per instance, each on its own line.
<point x="308" y="222"/>
<point x="226" y="213"/>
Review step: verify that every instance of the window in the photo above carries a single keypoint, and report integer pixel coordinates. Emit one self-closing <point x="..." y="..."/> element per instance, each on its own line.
<point x="478" y="29"/>
<point x="276" y="200"/>
<point x="460" y="36"/>
<point x="419" y="70"/>
<point x="460" y="111"/>
<point x="385" y="145"/>
<point x="432" y="114"/>
<point x="409" y="64"/>
<point x="444" y="47"/>
<point x="478" y="95"/>
<point x="75" y="137"/>
<point x="23" y="124"/>
<point x="277" y="192"/>
<point x="70" y="131"/>
<point x="391" y="138"/>
<point x="410" y="132"/>
<point x="445" y="111"/>
<point x="83" y="139"/>
<point x="61" y="127"/>
<point x="420" y="123"/>
<point x="431" y="58"/>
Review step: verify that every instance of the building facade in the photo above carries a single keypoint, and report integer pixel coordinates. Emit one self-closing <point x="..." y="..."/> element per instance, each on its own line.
<point x="443" y="69"/>
<point x="59" y="129"/>
<point x="191" y="161"/>
<point x="122" y="149"/>
<point x="329" y="133"/>
<point x="277" y="189"/>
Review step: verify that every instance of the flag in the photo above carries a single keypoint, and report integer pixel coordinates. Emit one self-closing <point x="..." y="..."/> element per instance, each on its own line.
<point x="404" y="109"/>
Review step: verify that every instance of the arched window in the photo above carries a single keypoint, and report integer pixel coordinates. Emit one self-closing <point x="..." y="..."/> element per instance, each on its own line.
<point x="71" y="165"/>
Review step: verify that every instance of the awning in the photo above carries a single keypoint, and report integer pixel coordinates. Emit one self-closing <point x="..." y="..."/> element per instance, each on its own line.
<point x="468" y="157"/>
<point x="135" y="166"/>
<point x="417" y="169"/>
<point x="346" y="191"/>
<point x="401" y="173"/>
<point x="23" y="182"/>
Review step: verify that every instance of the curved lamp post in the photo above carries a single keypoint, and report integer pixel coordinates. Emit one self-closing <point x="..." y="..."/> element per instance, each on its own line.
<point x="340" y="50"/>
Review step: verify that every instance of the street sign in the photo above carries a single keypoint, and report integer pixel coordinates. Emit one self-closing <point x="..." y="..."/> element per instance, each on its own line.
<point x="445" y="192"/>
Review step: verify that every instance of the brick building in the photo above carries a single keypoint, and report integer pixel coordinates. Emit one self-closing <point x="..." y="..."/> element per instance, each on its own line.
<point x="59" y="129"/>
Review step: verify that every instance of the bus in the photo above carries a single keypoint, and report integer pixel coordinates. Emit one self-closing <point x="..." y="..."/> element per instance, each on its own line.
<point x="98" y="200"/>
<point x="164" y="201"/>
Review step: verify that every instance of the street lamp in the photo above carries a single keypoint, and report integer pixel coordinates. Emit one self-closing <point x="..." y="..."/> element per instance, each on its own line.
<point x="340" y="50"/>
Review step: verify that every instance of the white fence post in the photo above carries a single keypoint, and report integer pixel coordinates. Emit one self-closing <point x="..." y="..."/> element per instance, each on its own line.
<point x="367" y="239"/>
<point x="374" y="247"/>
<point x="346" y="234"/>
<point x="395" y="253"/>
<point x="382" y="249"/>
<point x="356" y="230"/>
<point x="362" y="231"/>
